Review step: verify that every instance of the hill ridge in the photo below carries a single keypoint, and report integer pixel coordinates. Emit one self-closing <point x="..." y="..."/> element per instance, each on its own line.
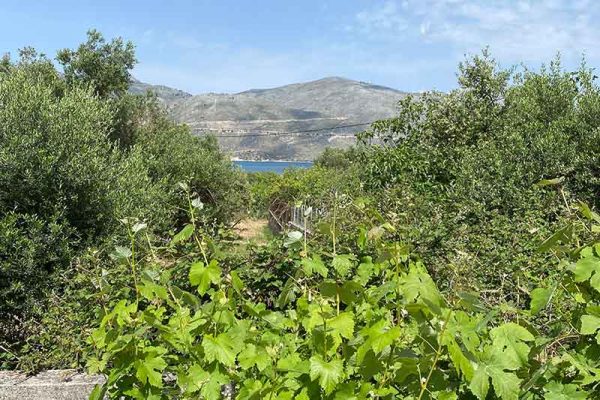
<point x="318" y="105"/>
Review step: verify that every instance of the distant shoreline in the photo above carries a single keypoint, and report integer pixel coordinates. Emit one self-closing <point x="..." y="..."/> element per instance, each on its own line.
<point x="235" y="159"/>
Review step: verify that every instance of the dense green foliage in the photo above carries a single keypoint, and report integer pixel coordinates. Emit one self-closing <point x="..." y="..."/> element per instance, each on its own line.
<point x="476" y="186"/>
<point x="365" y="325"/>
<point x="454" y="253"/>
<point x="77" y="155"/>
<point x="104" y="65"/>
<point x="459" y="172"/>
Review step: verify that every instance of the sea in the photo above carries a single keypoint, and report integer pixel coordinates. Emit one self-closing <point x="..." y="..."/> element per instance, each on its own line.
<point x="271" y="166"/>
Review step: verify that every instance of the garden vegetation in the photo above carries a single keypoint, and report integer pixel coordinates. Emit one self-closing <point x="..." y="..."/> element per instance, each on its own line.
<point x="453" y="253"/>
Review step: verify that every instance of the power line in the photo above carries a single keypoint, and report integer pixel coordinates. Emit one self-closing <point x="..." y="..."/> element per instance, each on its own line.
<point x="291" y="133"/>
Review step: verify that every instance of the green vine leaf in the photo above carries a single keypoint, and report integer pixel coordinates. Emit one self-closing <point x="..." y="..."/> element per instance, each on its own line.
<point x="558" y="391"/>
<point x="195" y="379"/>
<point x="480" y="384"/>
<point x="329" y="374"/>
<point x="202" y="276"/>
<point x="219" y="348"/>
<point x="418" y="287"/>
<point x="342" y="264"/>
<point x="99" y="392"/>
<point x="539" y="299"/>
<point x="509" y="347"/>
<point x="253" y="356"/>
<point x="150" y="370"/>
<point x="313" y="265"/>
<point x="461" y="362"/>
<point x="342" y="325"/>
<point x="184" y="234"/>
<point x="588" y="268"/>
<point x="506" y="384"/>
<point x="589" y="325"/>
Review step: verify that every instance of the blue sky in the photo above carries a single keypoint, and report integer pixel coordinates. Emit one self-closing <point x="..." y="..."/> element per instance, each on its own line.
<point x="229" y="46"/>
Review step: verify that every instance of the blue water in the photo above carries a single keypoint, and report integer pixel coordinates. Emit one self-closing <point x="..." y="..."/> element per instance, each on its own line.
<point x="272" y="166"/>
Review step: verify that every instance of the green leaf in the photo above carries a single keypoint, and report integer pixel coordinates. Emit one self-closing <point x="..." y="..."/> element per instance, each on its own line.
<point x="121" y="253"/>
<point x="197" y="203"/>
<point x="138" y="227"/>
<point x="589" y="324"/>
<point x="195" y="378"/>
<point x="212" y="389"/>
<point x="314" y="265"/>
<point x="509" y="349"/>
<point x="184" y="234"/>
<point x="471" y="301"/>
<point x="202" y="276"/>
<point x="480" y="384"/>
<point x="418" y="287"/>
<point x="379" y="336"/>
<point x="293" y="237"/>
<point x="346" y="392"/>
<point x="250" y="390"/>
<point x="539" y="299"/>
<point x="385" y="339"/>
<point x="303" y="395"/>
<point x="251" y="356"/>
<point x="588" y="213"/>
<point x="550" y="182"/>
<point x="562" y="235"/>
<point x="293" y="363"/>
<point x="220" y="349"/>
<point x="461" y="363"/>
<point x="364" y="271"/>
<point x="151" y="290"/>
<point x="342" y="325"/>
<point x="150" y="370"/>
<point x="98" y="392"/>
<point x="329" y="374"/>
<point x="342" y="264"/>
<point x="185" y="297"/>
<point x="446" y="395"/>
<point x="588" y="268"/>
<point x="506" y="384"/>
<point x="236" y="282"/>
<point x="558" y="391"/>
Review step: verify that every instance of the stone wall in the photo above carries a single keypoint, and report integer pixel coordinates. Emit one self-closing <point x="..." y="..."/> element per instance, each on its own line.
<point x="47" y="385"/>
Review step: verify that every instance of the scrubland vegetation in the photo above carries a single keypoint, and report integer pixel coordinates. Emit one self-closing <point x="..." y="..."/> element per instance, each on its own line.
<point x="453" y="252"/>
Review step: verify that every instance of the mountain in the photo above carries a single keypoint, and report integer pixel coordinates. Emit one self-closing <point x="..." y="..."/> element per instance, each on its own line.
<point x="292" y="122"/>
<point x="164" y="93"/>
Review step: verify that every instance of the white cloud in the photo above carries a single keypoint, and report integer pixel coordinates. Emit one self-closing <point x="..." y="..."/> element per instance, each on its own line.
<point x="387" y="18"/>
<point x="515" y="30"/>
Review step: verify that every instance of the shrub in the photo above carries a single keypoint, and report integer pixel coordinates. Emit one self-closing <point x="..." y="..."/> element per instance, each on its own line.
<point x="172" y="155"/>
<point x="31" y="250"/>
<point x="56" y="157"/>
<point x="490" y="165"/>
<point x="362" y="325"/>
<point x="263" y="187"/>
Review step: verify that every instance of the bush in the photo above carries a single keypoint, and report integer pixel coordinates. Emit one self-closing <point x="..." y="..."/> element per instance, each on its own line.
<point x="31" y="250"/>
<point x="491" y="165"/>
<point x="76" y="158"/>
<point x="173" y="155"/>
<point x="364" y="325"/>
<point x="263" y="187"/>
<point x="56" y="158"/>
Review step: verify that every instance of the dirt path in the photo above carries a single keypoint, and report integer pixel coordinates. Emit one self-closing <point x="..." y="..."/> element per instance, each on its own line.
<point x="252" y="229"/>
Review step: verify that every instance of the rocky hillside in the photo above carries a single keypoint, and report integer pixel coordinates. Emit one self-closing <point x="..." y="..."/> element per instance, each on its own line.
<point x="165" y="94"/>
<point x="292" y="122"/>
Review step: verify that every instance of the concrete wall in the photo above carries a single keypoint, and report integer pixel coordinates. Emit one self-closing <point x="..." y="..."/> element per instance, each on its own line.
<point x="47" y="385"/>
